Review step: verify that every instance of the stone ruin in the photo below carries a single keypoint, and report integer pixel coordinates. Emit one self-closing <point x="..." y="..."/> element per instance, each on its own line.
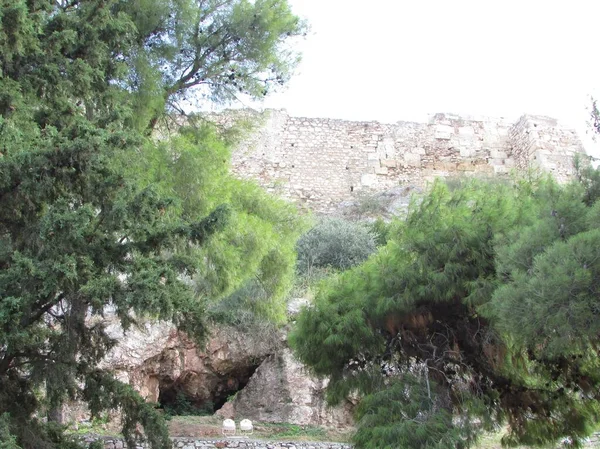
<point x="320" y="163"/>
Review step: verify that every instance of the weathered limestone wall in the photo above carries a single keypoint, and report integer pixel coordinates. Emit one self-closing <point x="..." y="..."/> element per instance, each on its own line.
<point x="321" y="162"/>
<point x="540" y="142"/>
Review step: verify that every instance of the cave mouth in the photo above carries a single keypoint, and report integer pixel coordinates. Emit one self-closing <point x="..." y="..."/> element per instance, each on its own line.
<point x="175" y="398"/>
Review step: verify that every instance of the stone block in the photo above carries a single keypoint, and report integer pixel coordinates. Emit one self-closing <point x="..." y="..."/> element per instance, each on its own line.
<point x="368" y="179"/>
<point x="466" y="131"/>
<point x="465" y="166"/>
<point x="381" y="170"/>
<point x="445" y="166"/>
<point x="443" y="132"/>
<point x="497" y="154"/>
<point x="386" y="145"/>
<point x="467" y="152"/>
<point x="391" y="163"/>
<point x="490" y="130"/>
<point x="418" y="150"/>
<point x="412" y="159"/>
<point x="372" y="156"/>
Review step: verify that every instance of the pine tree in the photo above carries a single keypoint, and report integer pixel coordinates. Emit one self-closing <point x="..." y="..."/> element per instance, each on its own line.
<point x="485" y="297"/>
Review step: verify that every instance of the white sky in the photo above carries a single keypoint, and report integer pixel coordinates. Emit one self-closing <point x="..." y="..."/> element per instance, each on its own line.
<point x="391" y="60"/>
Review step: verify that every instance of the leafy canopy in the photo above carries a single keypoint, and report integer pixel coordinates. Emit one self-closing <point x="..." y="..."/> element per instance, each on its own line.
<point x="97" y="216"/>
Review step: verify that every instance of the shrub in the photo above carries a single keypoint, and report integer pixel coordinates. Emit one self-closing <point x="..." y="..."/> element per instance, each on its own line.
<point x="335" y="243"/>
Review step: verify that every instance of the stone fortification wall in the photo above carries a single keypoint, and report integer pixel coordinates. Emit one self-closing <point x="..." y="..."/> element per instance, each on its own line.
<point x="322" y="162"/>
<point x="540" y="142"/>
<point x="196" y="443"/>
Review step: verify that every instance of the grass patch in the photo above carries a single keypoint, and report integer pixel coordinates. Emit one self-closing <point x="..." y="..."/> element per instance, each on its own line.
<point x="292" y="431"/>
<point x="97" y="426"/>
<point x="211" y="426"/>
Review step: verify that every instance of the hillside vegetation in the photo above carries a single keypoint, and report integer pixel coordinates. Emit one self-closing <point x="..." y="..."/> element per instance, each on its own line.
<point x="481" y="310"/>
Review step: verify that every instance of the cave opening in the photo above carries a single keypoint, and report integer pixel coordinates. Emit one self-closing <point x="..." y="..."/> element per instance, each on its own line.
<point x="176" y="398"/>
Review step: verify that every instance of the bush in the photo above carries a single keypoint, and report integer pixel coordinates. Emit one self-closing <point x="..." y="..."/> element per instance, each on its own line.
<point x="381" y="231"/>
<point x="335" y="243"/>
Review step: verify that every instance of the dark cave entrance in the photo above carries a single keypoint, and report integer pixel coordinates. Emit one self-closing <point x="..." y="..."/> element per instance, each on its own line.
<point x="175" y="398"/>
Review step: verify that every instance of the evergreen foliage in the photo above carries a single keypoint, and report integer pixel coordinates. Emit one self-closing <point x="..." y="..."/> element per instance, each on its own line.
<point x="96" y="215"/>
<point x="7" y="439"/>
<point x="486" y="294"/>
<point x="335" y="243"/>
<point x="407" y="414"/>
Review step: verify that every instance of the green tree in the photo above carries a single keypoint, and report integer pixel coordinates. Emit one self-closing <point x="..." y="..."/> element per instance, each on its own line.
<point x="212" y="49"/>
<point x="94" y="213"/>
<point x="486" y="297"/>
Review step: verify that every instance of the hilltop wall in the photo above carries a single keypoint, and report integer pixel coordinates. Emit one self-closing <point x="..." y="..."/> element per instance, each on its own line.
<point x="322" y="162"/>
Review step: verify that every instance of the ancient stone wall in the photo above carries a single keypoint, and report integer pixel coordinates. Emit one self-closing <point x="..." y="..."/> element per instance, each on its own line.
<point x="196" y="443"/>
<point x="540" y="142"/>
<point x="322" y="162"/>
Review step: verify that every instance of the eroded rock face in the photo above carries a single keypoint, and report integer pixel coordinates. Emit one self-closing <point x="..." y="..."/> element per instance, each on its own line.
<point x="160" y="362"/>
<point x="269" y="384"/>
<point x="282" y="390"/>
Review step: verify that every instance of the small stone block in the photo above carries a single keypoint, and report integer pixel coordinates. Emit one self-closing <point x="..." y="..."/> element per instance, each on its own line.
<point x="412" y="159"/>
<point x="368" y="179"/>
<point x="443" y="132"/>
<point x="466" y="152"/>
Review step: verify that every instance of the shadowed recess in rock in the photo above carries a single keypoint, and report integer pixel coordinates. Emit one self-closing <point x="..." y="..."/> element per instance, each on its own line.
<point x="178" y="397"/>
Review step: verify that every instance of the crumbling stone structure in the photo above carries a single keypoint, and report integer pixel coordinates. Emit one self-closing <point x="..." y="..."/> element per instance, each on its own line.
<point x="322" y="162"/>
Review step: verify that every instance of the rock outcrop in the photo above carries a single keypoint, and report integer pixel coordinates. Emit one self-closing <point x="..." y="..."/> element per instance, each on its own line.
<point x="240" y="373"/>
<point x="161" y="362"/>
<point x="282" y="390"/>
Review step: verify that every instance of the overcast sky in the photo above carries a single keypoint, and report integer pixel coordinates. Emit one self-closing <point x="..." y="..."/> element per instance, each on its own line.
<point x="391" y="60"/>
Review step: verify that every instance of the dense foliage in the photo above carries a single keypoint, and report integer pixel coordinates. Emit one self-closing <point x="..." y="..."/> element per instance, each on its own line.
<point x="95" y="215"/>
<point x="481" y="309"/>
<point x="335" y="243"/>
